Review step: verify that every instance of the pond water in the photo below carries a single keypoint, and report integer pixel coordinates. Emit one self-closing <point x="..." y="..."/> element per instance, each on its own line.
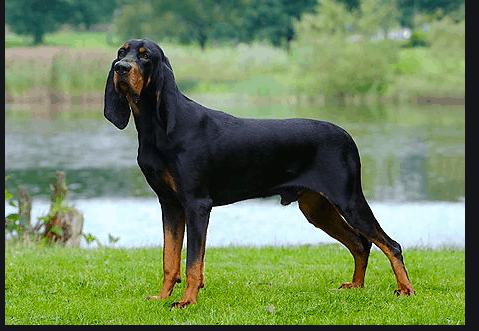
<point x="137" y="221"/>
<point x="413" y="176"/>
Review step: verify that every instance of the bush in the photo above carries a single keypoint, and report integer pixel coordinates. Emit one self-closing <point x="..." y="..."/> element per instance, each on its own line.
<point x="436" y="71"/>
<point x="329" y="65"/>
<point x="418" y="39"/>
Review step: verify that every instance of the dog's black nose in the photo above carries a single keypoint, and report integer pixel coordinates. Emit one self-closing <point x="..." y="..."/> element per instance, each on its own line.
<point x="122" y="67"/>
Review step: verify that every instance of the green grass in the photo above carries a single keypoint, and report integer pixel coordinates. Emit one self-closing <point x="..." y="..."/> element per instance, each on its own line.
<point x="62" y="38"/>
<point x="79" y="62"/>
<point x="54" y="285"/>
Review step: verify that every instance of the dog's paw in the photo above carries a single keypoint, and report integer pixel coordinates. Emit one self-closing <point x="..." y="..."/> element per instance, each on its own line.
<point x="181" y="304"/>
<point x="350" y="285"/>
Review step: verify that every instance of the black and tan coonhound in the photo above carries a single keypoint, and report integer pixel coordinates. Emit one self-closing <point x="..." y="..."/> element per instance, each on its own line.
<point x="195" y="158"/>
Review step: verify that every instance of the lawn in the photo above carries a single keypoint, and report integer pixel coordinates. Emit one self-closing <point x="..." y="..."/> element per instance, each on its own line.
<point x="244" y="285"/>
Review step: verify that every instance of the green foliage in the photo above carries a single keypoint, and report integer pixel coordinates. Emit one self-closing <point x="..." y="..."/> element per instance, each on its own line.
<point x="90" y="12"/>
<point x="272" y="20"/>
<point x="340" y="66"/>
<point x="268" y="285"/>
<point x="74" y="71"/>
<point x="376" y="14"/>
<point x="410" y="62"/>
<point x="89" y="238"/>
<point x="258" y="70"/>
<point x="439" y="69"/>
<point x="212" y="21"/>
<point x="330" y="64"/>
<point x="11" y="220"/>
<point x="267" y="20"/>
<point x="134" y="21"/>
<point x="37" y="17"/>
<point x="418" y="39"/>
<point x="18" y="231"/>
<point x="112" y="239"/>
<point x="203" y="21"/>
<point x="185" y="21"/>
<point x="17" y="226"/>
<point x="409" y="9"/>
<point x="447" y="35"/>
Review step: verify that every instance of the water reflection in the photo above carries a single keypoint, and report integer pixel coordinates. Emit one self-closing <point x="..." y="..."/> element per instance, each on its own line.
<point x="404" y="176"/>
<point x="405" y="161"/>
<point x="399" y="163"/>
<point x="264" y="223"/>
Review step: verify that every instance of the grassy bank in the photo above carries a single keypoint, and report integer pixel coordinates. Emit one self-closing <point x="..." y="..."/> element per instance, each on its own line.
<point x="287" y="285"/>
<point x="78" y="63"/>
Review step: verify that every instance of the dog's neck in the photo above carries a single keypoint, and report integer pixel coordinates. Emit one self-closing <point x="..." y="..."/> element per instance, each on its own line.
<point x="165" y="107"/>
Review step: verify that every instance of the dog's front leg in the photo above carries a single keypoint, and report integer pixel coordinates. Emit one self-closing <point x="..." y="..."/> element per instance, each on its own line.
<point x="173" y="231"/>
<point x="197" y="218"/>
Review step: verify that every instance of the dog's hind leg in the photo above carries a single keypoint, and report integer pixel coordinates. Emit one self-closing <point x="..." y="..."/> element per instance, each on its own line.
<point x="321" y="213"/>
<point x="361" y="218"/>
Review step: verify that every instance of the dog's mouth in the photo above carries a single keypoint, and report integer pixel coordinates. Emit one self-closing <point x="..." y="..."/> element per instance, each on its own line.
<point x="126" y="90"/>
<point x="124" y="87"/>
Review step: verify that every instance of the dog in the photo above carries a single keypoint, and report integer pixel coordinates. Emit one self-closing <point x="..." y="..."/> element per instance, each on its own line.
<point x="195" y="158"/>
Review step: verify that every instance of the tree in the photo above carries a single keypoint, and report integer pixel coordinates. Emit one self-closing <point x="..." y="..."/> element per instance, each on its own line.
<point x="409" y="8"/>
<point x="135" y="20"/>
<point x="243" y="20"/>
<point x="36" y="17"/>
<point x="196" y="20"/>
<point x="91" y="12"/>
<point x="273" y="19"/>
<point x="266" y="19"/>
<point x="331" y="65"/>
<point x="377" y="14"/>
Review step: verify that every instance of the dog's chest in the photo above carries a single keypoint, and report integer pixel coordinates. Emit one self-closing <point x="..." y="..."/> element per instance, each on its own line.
<point x="156" y="170"/>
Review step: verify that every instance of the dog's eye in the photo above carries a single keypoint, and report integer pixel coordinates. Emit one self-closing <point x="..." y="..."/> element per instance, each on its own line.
<point x="144" y="56"/>
<point x="121" y="52"/>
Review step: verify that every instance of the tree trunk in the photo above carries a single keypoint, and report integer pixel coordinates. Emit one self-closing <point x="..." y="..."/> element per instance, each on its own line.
<point x="38" y="37"/>
<point x="24" y="212"/>
<point x="202" y="40"/>
<point x="60" y="190"/>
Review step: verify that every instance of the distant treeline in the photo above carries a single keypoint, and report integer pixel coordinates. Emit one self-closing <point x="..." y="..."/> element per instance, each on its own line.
<point x="201" y="22"/>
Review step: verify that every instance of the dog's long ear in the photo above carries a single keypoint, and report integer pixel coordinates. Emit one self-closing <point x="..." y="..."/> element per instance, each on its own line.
<point x="116" y="108"/>
<point x="166" y="94"/>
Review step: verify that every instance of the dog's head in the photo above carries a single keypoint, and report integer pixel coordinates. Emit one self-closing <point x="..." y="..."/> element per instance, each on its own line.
<point x="138" y="69"/>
